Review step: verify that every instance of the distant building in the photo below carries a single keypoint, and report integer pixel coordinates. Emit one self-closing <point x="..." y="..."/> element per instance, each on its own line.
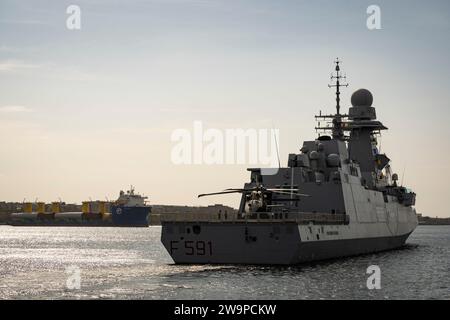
<point x="432" y="221"/>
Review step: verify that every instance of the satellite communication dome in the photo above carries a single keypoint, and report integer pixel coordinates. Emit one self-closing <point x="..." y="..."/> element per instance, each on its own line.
<point x="362" y="98"/>
<point x="314" y="155"/>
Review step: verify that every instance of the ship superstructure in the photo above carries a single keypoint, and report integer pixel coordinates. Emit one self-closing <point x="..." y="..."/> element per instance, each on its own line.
<point x="336" y="198"/>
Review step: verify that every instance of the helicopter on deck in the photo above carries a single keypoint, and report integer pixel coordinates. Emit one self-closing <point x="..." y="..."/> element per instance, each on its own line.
<point x="260" y="198"/>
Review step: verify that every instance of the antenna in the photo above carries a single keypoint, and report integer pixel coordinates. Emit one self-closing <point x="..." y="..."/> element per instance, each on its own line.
<point x="403" y="175"/>
<point x="337" y="81"/>
<point x="337" y="78"/>
<point x="276" y="145"/>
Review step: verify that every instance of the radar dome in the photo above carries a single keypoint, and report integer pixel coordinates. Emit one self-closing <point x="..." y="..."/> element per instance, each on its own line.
<point x="362" y="98"/>
<point x="314" y="155"/>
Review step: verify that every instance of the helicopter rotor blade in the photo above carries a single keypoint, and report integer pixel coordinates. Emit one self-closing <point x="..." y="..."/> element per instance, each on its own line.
<point x="249" y="190"/>
<point x="286" y="193"/>
<point x="216" y="193"/>
<point x="282" y="190"/>
<point x="262" y="189"/>
<point x="292" y="194"/>
<point x="259" y="188"/>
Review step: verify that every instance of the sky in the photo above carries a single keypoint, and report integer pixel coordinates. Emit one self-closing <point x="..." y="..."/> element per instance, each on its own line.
<point x="85" y="113"/>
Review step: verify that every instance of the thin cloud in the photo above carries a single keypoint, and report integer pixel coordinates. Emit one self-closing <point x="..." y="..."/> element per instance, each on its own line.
<point x="14" y="109"/>
<point x="14" y="65"/>
<point x="66" y="73"/>
<point x="7" y="49"/>
<point x="24" y="22"/>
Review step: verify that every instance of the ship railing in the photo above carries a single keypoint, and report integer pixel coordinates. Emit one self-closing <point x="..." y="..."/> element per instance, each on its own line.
<point x="294" y="217"/>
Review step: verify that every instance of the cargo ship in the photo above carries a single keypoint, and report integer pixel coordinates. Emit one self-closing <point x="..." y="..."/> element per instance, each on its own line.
<point x="130" y="209"/>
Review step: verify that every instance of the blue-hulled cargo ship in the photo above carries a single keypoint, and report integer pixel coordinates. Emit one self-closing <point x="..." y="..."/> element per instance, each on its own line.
<point x="130" y="210"/>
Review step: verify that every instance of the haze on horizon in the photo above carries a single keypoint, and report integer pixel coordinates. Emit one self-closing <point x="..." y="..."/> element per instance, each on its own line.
<point x="85" y="113"/>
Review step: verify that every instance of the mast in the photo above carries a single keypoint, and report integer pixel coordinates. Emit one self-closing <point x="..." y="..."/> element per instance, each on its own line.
<point x="338" y="84"/>
<point x="337" y="81"/>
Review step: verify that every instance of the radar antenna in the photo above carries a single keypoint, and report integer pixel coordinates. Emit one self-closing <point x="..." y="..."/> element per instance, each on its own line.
<point x="337" y="84"/>
<point x="338" y="81"/>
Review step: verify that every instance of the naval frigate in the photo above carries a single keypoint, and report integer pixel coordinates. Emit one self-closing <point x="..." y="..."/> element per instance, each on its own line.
<point x="338" y="197"/>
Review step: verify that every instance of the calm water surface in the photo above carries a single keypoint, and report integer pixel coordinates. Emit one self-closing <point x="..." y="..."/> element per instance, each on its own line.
<point x="131" y="263"/>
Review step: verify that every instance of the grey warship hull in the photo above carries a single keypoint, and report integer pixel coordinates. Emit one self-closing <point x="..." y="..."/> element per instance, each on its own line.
<point x="291" y="238"/>
<point x="288" y="249"/>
